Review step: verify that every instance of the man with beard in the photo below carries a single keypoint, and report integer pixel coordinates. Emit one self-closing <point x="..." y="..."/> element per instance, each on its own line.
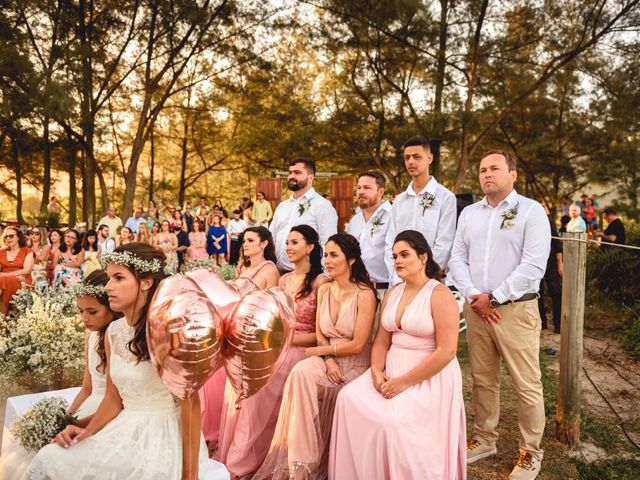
<point x="370" y="226"/>
<point x="425" y="206"/>
<point x="303" y="207"/>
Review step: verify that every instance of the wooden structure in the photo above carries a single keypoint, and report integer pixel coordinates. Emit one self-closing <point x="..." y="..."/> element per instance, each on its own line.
<point x="574" y="255"/>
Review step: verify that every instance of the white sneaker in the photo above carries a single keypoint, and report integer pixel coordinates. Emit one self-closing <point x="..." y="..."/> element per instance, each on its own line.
<point x="527" y="467"/>
<point x="477" y="451"/>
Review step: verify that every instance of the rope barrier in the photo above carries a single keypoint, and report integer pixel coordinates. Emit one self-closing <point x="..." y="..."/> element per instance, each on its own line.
<point x="588" y="240"/>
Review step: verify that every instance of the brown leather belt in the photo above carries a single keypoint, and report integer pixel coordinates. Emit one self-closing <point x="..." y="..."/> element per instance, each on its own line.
<point x="526" y="297"/>
<point x="381" y="286"/>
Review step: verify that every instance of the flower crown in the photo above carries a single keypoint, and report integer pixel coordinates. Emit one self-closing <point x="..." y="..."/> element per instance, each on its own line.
<point x="131" y="260"/>
<point x="86" y="290"/>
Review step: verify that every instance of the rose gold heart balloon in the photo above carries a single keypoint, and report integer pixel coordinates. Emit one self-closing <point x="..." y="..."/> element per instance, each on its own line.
<point x="222" y="295"/>
<point x="184" y="334"/>
<point x="257" y="337"/>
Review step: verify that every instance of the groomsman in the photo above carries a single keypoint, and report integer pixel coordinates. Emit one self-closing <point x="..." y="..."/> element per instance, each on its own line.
<point x="370" y="226"/>
<point x="498" y="259"/>
<point x="425" y="206"/>
<point x="303" y="207"/>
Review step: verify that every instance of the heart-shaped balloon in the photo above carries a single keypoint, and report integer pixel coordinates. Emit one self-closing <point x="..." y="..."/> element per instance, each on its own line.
<point x="257" y="337"/>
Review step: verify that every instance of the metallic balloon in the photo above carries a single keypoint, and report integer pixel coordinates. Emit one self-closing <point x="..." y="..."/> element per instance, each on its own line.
<point x="257" y="337"/>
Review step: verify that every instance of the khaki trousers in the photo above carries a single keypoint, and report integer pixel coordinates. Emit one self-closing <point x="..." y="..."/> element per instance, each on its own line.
<point x="515" y="340"/>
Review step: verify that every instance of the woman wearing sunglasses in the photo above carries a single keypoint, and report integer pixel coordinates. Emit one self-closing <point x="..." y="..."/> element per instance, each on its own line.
<point x="41" y="253"/>
<point x="16" y="263"/>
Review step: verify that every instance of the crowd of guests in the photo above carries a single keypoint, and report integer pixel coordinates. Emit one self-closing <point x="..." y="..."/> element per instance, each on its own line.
<point x="581" y="216"/>
<point x="346" y="387"/>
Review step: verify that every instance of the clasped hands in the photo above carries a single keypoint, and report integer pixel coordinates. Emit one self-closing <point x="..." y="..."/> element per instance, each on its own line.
<point x="388" y="387"/>
<point x="480" y="305"/>
<point x="334" y="372"/>
<point x="71" y="435"/>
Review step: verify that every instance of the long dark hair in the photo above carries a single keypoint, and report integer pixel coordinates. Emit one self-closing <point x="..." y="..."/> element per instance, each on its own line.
<point x="22" y="240"/>
<point x="417" y="241"/>
<point x="315" y="257"/>
<point x="99" y="278"/>
<point x="85" y="240"/>
<point x="351" y="250"/>
<point x="265" y="236"/>
<point x="138" y="344"/>
<point x="76" y="247"/>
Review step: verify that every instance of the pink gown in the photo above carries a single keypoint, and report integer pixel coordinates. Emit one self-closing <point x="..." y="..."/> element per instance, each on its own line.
<point x="246" y="433"/>
<point x="300" y="445"/>
<point x="420" y="433"/>
<point x="194" y="252"/>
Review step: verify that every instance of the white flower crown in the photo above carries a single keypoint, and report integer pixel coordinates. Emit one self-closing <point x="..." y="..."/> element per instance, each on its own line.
<point x="86" y="290"/>
<point x="131" y="260"/>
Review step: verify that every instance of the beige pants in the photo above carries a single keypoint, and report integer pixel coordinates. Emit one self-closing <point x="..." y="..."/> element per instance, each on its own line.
<point x="516" y="339"/>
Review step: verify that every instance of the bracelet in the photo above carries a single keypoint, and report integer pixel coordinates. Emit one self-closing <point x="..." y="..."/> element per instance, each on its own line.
<point x="335" y="353"/>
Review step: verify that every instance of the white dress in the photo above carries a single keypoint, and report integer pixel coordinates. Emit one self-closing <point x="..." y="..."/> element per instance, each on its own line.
<point x="144" y="441"/>
<point x="16" y="459"/>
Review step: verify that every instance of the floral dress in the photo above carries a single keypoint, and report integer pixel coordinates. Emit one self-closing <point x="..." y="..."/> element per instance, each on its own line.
<point x="165" y="243"/>
<point x="72" y="274"/>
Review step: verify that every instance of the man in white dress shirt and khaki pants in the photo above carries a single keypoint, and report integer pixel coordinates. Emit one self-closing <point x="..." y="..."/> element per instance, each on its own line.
<point x="425" y="206"/>
<point x="303" y="207"/>
<point x="370" y="226"/>
<point x="499" y="257"/>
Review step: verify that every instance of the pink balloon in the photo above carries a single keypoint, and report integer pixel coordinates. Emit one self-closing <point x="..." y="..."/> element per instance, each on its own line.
<point x="257" y="337"/>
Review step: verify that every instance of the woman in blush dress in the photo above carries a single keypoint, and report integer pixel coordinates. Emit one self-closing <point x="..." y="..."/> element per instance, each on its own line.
<point x="346" y="309"/>
<point x="198" y="242"/>
<point x="246" y="433"/>
<point x="168" y="243"/>
<point x="408" y="408"/>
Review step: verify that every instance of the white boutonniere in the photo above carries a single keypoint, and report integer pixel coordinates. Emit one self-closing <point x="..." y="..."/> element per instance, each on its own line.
<point x="507" y="218"/>
<point x="303" y="207"/>
<point x="377" y="223"/>
<point x="427" y="201"/>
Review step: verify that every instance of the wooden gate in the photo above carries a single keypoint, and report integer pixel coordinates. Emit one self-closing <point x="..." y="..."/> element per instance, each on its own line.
<point x="272" y="189"/>
<point x="342" y="198"/>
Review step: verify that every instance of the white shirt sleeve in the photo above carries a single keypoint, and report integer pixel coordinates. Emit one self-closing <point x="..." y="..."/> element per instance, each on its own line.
<point x="388" y="246"/>
<point x="445" y="232"/>
<point x="327" y="221"/>
<point x="535" y="253"/>
<point x="459" y="263"/>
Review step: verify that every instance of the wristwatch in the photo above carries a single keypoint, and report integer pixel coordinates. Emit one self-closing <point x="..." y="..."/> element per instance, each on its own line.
<point x="493" y="303"/>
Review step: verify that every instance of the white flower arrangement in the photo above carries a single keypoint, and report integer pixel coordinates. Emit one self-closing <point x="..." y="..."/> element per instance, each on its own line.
<point x="507" y="218"/>
<point x="63" y="296"/>
<point x="303" y="207"/>
<point x="377" y="223"/>
<point x="81" y="289"/>
<point x="43" y="341"/>
<point x="131" y="260"/>
<point x="427" y="201"/>
<point x="43" y="421"/>
<point x="193" y="264"/>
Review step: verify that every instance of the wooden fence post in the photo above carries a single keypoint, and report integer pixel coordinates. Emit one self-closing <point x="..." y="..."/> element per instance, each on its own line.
<point x="571" y="340"/>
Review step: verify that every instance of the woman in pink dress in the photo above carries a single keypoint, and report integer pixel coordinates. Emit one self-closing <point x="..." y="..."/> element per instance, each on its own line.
<point x="198" y="242"/>
<point x="408" y="407"/>
<point x="346" y="309"/>
<point x="246" y="433"/>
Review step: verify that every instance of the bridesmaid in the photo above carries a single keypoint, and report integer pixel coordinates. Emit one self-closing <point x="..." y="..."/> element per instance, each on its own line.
<point x="245" y="434"/>
<point x="408" y="407"/>
<point x="346" y="309"/>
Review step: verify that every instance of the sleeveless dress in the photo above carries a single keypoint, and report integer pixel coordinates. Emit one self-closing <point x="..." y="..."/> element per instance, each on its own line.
<point x="143" y="442"/>
<point x="194" y="252"/>
<point x="39" y="273"/>
<point x="16" y="459"/>
<point x="60" y="271"/>
<point x="246" y="433"/>
<point x="421" y="432"/>
<point x="300" y="445"/>
<point x="166" y="244"/>
<point x="10" y="284"/>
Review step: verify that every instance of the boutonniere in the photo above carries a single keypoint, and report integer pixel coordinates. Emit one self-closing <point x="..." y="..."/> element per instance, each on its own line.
<point x="377" y="223"/>
<point x="507" y="218"/>
<point x="303" y="207"/>
<point x="427" y="201"/>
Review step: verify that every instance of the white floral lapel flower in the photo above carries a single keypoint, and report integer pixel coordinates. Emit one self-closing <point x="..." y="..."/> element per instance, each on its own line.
<point x="427" y="201"/>
<point x="303" y="207"/>
<point x="377" y="223"/>
<point x="507" y="218"/>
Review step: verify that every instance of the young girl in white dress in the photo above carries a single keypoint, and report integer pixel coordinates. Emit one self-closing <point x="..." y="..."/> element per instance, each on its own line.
<point x="140" y="431"/>
<point x="96" y="315"/>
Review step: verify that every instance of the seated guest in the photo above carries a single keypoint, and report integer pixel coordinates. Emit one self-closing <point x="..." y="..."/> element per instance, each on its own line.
<point x="41" y="255"/>
<point x="197" y="242"/>
<point x="68" y="259"/>
<point x="408" y="408"/>
<point x="135" y="221"/>
<point x="346" y="309"/>
<point x="16" y="263"/>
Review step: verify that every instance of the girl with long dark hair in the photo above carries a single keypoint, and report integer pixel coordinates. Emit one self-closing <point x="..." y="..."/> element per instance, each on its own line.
<point x="68" y="259"/>
<point x="258" y="257"/>
<point x="92" y="252"/>
<point x="346" y="309"/>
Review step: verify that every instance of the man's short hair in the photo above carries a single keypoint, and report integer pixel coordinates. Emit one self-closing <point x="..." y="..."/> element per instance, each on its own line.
<point x="102" y="226"/>
<point x="610" y="211"/>
<point x="564" y="220"/>
<point x="380" y="180"/>
<point x="418" y="141"/>
<point x="511" y="160"/>
<point x="237" y="212"/>
<point x="309" y="164"/>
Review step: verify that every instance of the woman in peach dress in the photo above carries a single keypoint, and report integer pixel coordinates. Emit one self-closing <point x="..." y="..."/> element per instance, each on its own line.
<point x="346" y="309"/>
<point x="408" y="408"/>
<point x="246" y="433"/>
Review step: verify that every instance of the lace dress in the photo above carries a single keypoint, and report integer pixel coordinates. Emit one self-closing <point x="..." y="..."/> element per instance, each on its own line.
<point x="143" y="442"/>
<point x="165" y="243"/>
<point x="16" y="459"/>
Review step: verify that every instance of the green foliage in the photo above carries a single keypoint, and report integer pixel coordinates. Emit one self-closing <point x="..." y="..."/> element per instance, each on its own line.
<point x="611" y="469"/>
<point x="631" y="339"/>
<point x="616" y="273"/>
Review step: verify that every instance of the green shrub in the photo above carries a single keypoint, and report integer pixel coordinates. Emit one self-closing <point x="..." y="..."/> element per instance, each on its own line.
<point x="631" y="339"/>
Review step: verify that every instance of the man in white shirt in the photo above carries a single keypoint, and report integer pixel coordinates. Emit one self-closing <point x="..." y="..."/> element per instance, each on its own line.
<point x="303" y="207"/>
<point x="425" y="206"/>
<point x="499" y="257"/>
<point x="107" y="244"/>
<point x="236" y="226"/>
<point x="369" y="225"/>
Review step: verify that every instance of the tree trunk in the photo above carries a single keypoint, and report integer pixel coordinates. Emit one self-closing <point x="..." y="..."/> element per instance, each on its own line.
<point x="184" y="153"/>
<point x="153" y="164"/>
<point x="15" y="154"/>
<point x="104" y="192"/>
<point x="73" y="193"/>
<point x="46" y="177"/>
<point x="437" y="126"/>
